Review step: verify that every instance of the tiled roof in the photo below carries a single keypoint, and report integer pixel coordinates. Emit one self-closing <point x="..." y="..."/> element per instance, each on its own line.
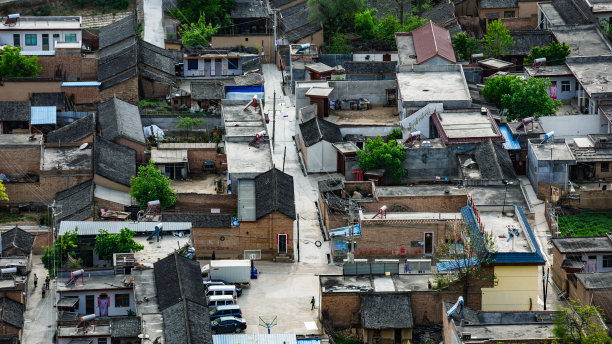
<point x="525" y="40"/>
<point x="114" y="161"/>
<point x="187" y="323"/>
<point x="431" y="40"/>
<point x="74" y="131"/>
<point x="583" y="244"/>
<point x="125" y="327"/>
<point x="441" y="14"/>
<point x="316" y="130"/>
<point x="498" y="4"/>
<point x="156" y="57"/>
<point x="19" y="239"/>
<point x="76" y="203"/>
<point x="117" y="31"/>
<point x="118" y="118"/>
<point x="274" y="192"/>
<point x="381" y="311"/>
<point x="15" y="111"/>
<point x="57" y="99"/>
<point x="494" y="161"/>
<point x="370" y="67"/>
<point x="118" y="58"/>
<point x="574" y="12"/>
<point x="250" y="9"/>
<point x="210" y="90"/>
<point x="200" y="220"/>
<point x="11" y="312"/>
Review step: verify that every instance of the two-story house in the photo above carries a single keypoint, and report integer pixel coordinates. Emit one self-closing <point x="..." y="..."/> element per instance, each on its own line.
<point x="40" y="35"/>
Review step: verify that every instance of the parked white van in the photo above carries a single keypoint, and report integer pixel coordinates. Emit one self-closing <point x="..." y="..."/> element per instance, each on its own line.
<point x="220" y="300"/>
<point x="222" y="290"/>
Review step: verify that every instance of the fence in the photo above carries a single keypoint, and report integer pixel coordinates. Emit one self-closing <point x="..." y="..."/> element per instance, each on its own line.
<point x="371" y="269"/>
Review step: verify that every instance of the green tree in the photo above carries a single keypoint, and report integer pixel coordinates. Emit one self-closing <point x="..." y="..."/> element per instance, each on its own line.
<point x="15" y="65"/>
<point x="108" y="244"/>
<point x="188" y="123"/>
<point x="217" y="11"/>
<point x="378" y="154"/>
<point x="150" y="185"/>
<point x="465" y="46"/>
<point x="3" y="195"/>
<point x="336" y="16"/>
<point x="198" y="33"/>
<point x="389" y="25"/>
<point x="607" y="26"/>
<point x="366" y="24"/>
<point x="497" y="86"/>
<point x="555" y="54"/>
<point x="55" y="256"/>
<point x="529" y="98"/>
<point x="395" y="134"/>
<point x="580" y="324"/>
<point x="338" y="45"/>
<point x="497" y="41"/>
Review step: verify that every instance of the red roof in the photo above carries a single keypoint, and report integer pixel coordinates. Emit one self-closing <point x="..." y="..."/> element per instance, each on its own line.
<point x="431" y="40"/>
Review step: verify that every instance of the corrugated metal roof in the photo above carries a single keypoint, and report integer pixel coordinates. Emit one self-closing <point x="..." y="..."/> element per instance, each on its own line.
<point x="43" y="115"/>
<point x="94" y="227"/>
<point x="81" y="83"/>
<point x="112" y="195"/>
<point x="283" y="338"/>
<point x="510" y="143"/>
<point x="246" y="200"/>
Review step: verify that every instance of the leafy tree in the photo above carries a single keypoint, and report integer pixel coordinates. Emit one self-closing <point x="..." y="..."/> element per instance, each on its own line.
<point x="335" y="15"/>
<point x="529" y="98"/>
<point x="555" y="54"/>
<point x="15" y="65"/>
<point x="607" y="26"/>
<point x="395" y="134"/>
<point x="108" y="244"/>
<point x="338" y="45"/>
<point x="465" y="46"/>
<point x="107" y="4"/>
<point x="150" y="185"/>
<point x="396" y="6"/>
<point x="389" y="25"/>
<point x="56" y="255"/>
<point x="217" y="11"/>
<point x="3" y="195"/>
<point x="366" y="24"/>
<point x="465" y="250"/>
<point x="198" y="33"/>
<point x="378" y="154"/>
<point x="580" y="324"/>
<point x="188" y="123"/>
<point x="497" y="41"/>
<point x="497" y="86"/>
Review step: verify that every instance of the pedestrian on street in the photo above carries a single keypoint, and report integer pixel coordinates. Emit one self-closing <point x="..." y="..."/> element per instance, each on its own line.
<point x="43" y="291"/>
<point x="47" y="282"/>
<point x="35" y="281"/>
<point x="405" y="267"/>
<point x="312" y="302"/>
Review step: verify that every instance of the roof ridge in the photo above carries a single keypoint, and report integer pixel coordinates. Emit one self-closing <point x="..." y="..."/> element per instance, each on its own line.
<point x="435" y="40"/>
<point x="182" y="300"/>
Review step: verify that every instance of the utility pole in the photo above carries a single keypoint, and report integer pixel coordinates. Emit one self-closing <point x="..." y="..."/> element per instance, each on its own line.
<point x="275" y="24"/>
<point x="545" y="273"/>
<point x="274" y="118"/>
<point x="284" y="156"/>
<point x="351" y="254"/>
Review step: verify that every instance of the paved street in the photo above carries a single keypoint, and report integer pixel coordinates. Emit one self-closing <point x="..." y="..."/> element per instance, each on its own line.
<point x="40" y="314"/>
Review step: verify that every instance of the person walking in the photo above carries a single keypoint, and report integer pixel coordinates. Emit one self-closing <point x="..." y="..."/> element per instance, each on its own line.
<point x="35" y="281"/>
<point x="43" y="291"/>
<point x="47" y="282"/>
<point x="312" y="303"/>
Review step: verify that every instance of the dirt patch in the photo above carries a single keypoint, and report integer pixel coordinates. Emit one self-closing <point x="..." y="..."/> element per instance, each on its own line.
<point x="199" y="183"/>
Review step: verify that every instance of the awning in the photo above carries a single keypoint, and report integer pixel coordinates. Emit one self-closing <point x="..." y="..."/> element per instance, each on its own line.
<point x="43" y="115"/>
<point x="457" y="264"/>
<point x="67" y="302"/>
<point x="575" y="265"/>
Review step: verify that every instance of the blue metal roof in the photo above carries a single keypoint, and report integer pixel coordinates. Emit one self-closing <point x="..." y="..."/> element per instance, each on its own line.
<point x="344" y="232"/>
<point x="43" y="115"/>
<point x="81" y="83"/>
<point x="510" y="143"/>
<point x="281" y="338"/>
<point x="457" y="264"/>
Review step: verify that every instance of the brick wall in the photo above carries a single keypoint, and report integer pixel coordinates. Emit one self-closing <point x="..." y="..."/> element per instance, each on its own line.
<point x="108" y="205"/>
<point x="8" y="329"/>
<point x="15" y="295"/>
<point x="127" y="90"/>
<point x="20" y="160"/>
<point x="203" y="202"/>
<point x="83" y="94"/>
<point x="42" y="238"/>
<point x="138" y="147"/>
<point x="527" y="23"/>
<point x="559" y="276"/>
<point x="43" y="191"/>
<point x="254" y="235"/>
<point x="198" y="156"/>
<point x="71" y="65"/>
<point x="595" y="199"/>
<point x="343" y="309"/>
<point x="21" y="90"/>
<point x="154" y="89"/>
<point x="440" y="203"/>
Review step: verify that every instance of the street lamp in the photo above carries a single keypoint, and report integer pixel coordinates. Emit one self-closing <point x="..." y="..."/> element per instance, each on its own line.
<point x="506" y="183"/>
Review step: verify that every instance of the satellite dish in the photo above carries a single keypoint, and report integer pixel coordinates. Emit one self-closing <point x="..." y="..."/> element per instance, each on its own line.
<point x="83" y="146"/>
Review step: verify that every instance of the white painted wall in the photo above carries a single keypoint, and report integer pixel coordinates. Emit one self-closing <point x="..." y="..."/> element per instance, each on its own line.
<point x="95" y="340"/>
<point x="209" y="66"/>
<point x="112" y="310"/>
<point x="322" y="157"/>
<point x="371" y="131"/>
<point x="373" y="57"/>
<point x="436" y="60"/>
<point x="564" y="95"/>
<point x="6" y="38"/>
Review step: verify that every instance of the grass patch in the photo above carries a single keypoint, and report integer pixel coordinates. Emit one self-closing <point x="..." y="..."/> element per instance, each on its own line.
<point x="5" y="217"/>
<point x="31" y="218"/>
<point x="341" y="340"/>
<point x="586" y="224"/>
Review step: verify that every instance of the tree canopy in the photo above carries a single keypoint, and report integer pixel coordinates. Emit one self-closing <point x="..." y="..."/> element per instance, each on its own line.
<point x="465" y="46"/>
<point x="555" y="54"/>
<point x="217" y="11"/>
<point x="579" y="324"/>
<point x="336" y="16"/>
<point x="379" y="154"/>
<point x="55" y="256"/>
<point x="370" y="28"/>
<point x="108" y="244"/>
<point x="150" y="185"/>
<point x="338" y="45"/>
<point x="497" y="42"/>
<point x="15" y="65"/>
<point x="496" y="87"/>
<point x="198" y="33"/>
<point x="3" y="195"/>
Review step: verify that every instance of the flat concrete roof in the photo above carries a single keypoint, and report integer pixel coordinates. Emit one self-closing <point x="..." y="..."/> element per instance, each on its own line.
<point x="375" y="116"/>
<point x="172" y="145"/>
<point x="144" y="288"/>
<point x="419" y="190"/>
<point x="319" y="92"/>
<point x="318" y="67"/>
<point x="600" y="6"/>
<point x="498" y="224"/>
<point x="19" y="140"/>
<point x="432" y="86"/>
<point x="92" y="331"/>
<point x="243" y="131"/>
<point x="551" y="14"/>
<point x="495" y="63"/>
<point x="317" y="83"/>
<point x="406" y="50"/>
<point x="368" y="217"/>
<point x="593" y="73"/>
<point x="516" y="332"/>
<point x="547" y="71"/>
<point x="44" y="23"/>
<point x="467" y="124"/>
<point x="494" y="194"/>
<point x="242" y="158"/>
<point x="233" y="111"/>
<point x="583" y="40"/>
<point x="93" y="282"/>
<point x="552" y="152"/>
<point x="365" y="284"/>
<point x="169" y="156"/>
<point x="66" y="159"/>
<point x="345" y="147"/>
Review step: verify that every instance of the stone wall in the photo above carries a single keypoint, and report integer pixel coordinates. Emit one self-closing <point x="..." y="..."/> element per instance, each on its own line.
<point x="127" y="90"/>
<point x="20" y="160"/>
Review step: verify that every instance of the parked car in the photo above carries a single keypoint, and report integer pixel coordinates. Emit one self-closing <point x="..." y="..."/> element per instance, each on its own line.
<point x="224" y="311"/>
<point x="221" y="282"/>
<point x="228" y="325"/>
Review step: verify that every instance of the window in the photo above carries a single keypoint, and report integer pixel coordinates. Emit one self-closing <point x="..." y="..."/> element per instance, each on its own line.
<point x="70" y="37"/>
<point x="605" y="166"/>
<point x="592" y="257"/>
<point x="31" y="39"/>
<point x="16" y="40"/>
<point x="509" y="14"/>
<point x="607" y="261"/>
<point x="122" y="300"/>
<point x="102" y="340"/>
<point x="233" y="63"/>
<point x="565" y="86"/>
<point x="192" y="64"/>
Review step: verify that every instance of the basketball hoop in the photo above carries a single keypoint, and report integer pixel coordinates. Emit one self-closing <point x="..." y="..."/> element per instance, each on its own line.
<point x="267" y="321"/>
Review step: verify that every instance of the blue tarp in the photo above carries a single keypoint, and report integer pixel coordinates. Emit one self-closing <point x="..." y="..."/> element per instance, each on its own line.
<point x="457" y="264"/>
<point x="244" y="92"/>
<point x="344" y="232"/>
<point x="510" y="143"/>
<point x="43" y="115"/>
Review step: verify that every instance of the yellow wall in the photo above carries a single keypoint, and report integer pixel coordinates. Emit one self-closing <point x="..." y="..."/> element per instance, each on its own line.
<point x="515" y="286"/>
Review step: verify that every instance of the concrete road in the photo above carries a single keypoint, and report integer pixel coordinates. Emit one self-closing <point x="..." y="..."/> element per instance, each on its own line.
<point x="305" y="187"/>
<point x="40" y="315"/>
<point x="284" y="290"/>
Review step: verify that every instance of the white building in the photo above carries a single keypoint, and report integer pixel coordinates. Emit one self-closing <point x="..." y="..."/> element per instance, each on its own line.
<point x="563" y="83"/>
<point x="316" y="137"/>
<point x="39" y="35"/>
